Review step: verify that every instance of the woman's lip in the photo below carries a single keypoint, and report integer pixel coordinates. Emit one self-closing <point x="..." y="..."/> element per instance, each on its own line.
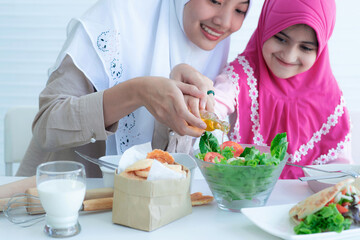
<point x="213" y="29"/>
<point x="210" y="33"/>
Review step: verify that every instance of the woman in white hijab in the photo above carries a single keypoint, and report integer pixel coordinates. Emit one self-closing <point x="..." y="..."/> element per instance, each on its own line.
<point x="110" y="81"/>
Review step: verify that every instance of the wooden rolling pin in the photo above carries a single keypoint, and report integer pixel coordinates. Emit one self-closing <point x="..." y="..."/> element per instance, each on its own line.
<point x="90" y="194"/>
<point x="97" y="204"/>
<point x="10" y="189"/>
<point x="87" y="205"/>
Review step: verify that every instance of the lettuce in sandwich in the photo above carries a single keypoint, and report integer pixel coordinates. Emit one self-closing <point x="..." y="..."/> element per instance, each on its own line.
<point x="332" y="209"/>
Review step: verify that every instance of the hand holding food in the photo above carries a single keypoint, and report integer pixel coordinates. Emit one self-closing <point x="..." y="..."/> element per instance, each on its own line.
<point x="332" y="209"/>
<point x="164" y="99"/>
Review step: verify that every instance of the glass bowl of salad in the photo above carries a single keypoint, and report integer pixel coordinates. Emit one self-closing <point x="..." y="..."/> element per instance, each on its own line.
<point x="241" y="175"/>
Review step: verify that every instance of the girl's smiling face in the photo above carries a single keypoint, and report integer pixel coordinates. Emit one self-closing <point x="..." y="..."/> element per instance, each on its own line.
<point x="207" y="22"/>
<point x="291" y="51"/>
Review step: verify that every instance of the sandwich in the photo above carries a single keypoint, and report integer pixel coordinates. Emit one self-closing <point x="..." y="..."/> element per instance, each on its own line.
<point x="333" y="209"/>
<point x="140" y="169"/>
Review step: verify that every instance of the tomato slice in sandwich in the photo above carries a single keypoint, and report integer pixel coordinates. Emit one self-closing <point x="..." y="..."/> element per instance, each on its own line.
<point x="341" y="209"/>
<point x="210" y="157"/>
<point x="237" y="147"/>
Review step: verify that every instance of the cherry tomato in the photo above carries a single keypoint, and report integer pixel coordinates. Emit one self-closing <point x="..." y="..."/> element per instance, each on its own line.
<point x="341" y="209"/>
<point x="237" y="147"/>
<point x="210" y="157"/>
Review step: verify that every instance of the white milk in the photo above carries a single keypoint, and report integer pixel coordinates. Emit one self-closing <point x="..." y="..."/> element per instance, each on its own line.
<point x="61" y="199"/>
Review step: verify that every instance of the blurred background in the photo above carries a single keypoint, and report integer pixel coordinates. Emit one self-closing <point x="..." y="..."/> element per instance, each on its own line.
<point x="32" y="33"/>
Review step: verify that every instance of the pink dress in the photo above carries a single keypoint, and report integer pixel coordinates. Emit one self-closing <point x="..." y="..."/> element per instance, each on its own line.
<point x="309" y="107"/>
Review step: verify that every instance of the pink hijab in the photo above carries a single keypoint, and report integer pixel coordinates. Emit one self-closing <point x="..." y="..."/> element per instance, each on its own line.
<point x="308" y="106"/>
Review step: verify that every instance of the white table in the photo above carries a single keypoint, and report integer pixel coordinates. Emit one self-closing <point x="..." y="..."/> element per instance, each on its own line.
<point x="205" y="222"/>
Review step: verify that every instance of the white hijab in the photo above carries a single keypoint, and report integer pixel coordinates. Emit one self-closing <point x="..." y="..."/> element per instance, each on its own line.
<point x="119" y="40"/>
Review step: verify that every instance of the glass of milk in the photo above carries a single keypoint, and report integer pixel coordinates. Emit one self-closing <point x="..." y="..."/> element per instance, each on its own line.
<point x="61" y="186"/>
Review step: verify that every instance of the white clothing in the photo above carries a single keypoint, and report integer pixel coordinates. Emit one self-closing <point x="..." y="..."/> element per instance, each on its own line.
<point x="119" y="40"/>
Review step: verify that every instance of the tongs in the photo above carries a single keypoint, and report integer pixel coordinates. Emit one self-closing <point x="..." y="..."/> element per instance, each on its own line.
<point x="98" y="162"/>
<point x="340" y="173"/>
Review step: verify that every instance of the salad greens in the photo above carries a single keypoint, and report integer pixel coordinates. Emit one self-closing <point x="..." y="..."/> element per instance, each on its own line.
<point x="230" y="180"/>
<point x="249" y="157"/>
<point x="208" y="143"/>
<point x="326" y="219"/>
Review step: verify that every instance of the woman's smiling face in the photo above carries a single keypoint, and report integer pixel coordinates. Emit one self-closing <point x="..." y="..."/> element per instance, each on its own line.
<point x="207" y="22"/>
<point x="291" y="51"/>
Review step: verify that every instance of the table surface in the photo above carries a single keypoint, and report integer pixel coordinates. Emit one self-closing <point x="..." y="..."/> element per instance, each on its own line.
<point x="205" y="222"/>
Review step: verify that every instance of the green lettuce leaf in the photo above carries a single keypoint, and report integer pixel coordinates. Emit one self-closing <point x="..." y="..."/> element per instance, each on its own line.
<point x="279" y="146"/>
<point x="208" y="143"/>
<point x="326" y="219"/>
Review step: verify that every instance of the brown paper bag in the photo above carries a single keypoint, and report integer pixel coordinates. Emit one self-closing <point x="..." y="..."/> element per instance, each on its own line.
<point x="148" y="205"/>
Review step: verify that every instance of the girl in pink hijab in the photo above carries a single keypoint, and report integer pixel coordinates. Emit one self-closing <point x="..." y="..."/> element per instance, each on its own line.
<point x="283" y="82"/>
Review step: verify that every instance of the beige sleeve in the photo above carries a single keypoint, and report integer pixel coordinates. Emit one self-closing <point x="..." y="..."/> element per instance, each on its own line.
<point x="70" y="111"/>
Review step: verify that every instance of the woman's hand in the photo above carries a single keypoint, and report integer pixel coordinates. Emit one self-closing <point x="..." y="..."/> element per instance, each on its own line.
<point x="164" y="99"/>
<point x="186" y="74"/>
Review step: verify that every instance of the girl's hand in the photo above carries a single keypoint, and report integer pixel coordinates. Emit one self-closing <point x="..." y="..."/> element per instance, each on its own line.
<point x="193" y="104"/>
<point x="186" y="74"/>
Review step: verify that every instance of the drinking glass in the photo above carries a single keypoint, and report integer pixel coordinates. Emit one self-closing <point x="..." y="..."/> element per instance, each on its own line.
<point x="61" y="186"/>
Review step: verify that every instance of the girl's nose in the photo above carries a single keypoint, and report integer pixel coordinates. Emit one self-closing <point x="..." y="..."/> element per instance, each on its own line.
<point x="290" y="54"/>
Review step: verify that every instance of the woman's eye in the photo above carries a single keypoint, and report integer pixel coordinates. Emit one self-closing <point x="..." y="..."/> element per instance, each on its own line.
<point x="280" y="39"/>
<point x="240" y="11"/>
<point x="215" y="2"/>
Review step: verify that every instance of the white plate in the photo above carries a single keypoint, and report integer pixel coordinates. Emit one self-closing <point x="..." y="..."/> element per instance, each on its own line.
<point x="318" y="185"/>
<point x="276" y="221"/>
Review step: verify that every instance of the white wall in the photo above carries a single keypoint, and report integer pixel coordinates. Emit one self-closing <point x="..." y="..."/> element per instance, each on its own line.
<point x="32" y="32"/>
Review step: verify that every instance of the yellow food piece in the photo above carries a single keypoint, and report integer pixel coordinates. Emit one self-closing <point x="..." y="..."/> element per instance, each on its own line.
<point x="212" y="125"/>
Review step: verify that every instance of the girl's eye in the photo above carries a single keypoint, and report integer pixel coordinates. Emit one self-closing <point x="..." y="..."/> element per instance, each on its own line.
<point x="280" y="39"/>
<point x="306" y="48"/>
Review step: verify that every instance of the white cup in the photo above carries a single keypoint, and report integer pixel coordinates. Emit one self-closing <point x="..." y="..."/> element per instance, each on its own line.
<point x="61" y="186"/>
<point x="108" y="174"/>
